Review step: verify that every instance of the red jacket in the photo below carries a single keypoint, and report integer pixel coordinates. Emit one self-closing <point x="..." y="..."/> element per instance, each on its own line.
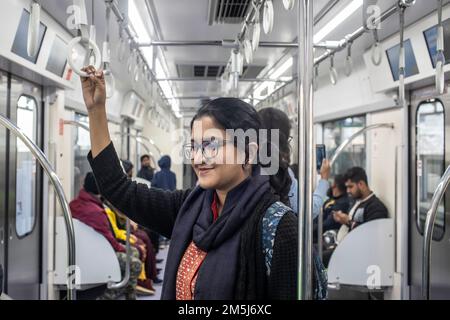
<point x="89" y="210"/>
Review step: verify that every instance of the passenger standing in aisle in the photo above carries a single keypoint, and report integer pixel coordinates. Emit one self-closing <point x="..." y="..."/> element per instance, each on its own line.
<point x="220" y="224"/>
<point x="165" y="179"/>
<point x="146" y="172"/>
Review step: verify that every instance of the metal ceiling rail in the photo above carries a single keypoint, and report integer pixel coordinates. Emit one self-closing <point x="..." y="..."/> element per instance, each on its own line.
<point x="218" y="79"/>
<point x="355" y="35"/>
<point x="124" y="25"/>
<point x="215" y="43"/>
<point x="325" y="10"/>
<point x="206" y="97"/>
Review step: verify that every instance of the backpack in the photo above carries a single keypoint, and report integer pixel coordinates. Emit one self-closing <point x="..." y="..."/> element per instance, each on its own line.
<point x="271" y="219"/>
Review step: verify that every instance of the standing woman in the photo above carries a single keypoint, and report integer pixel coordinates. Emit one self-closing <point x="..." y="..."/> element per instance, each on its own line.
<point x="223" y="241"/>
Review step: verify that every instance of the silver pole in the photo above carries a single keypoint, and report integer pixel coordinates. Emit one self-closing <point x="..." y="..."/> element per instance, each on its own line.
<point x="218" y="79"/>
<point x="428" y="232"/>
<point x="126" y="278"/>
<point x="139" y="140"/>
<point x="325" y="10"/>
<point x="344" y="144"/>
<point x="220" y="43"/>
<point x="306" y="144"/>
<point x="76" y="124"/>
<point x="42" y="159"/>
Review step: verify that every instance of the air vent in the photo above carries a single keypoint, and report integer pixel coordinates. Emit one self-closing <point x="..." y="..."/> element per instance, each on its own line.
<point x="214" y="71"/>
<point x="227" y="11"/>
<point x="200" y="71"/>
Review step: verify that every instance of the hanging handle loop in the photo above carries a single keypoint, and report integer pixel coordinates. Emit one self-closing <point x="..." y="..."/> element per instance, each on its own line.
<point x="376" y="49"/>
<point x="349" y="59"/>
<point x="85" y="36"/>
<point x="33" y="29"/>
<point x="333" y="71"/>
<point x="316" y="77"/>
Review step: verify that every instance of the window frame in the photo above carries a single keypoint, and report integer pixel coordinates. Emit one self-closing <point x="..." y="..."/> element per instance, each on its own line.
<point x="323" y="124"/>
<point x="36" y="184"/>
<point x="417" y="208"/>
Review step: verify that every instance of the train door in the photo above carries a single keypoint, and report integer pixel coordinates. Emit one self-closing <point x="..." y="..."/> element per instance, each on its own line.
<point x="20" y="194"/>
<point x="3" y="168"/>
<point x="430" y="155"/>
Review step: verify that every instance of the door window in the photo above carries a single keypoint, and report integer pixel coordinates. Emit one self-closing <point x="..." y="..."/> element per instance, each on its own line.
<point x="430" y="162"/>
<point x="26" y="168"/>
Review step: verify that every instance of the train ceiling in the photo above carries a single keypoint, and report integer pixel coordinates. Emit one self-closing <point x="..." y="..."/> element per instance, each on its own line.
<point x="191" y="20"/>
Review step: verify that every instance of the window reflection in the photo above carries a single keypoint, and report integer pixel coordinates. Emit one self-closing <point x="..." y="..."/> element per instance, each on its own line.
<point x="429" y="162"/>
<point x="26" y="168"/>
<point x="82" y="146"/>
<point x="336" y="132"/>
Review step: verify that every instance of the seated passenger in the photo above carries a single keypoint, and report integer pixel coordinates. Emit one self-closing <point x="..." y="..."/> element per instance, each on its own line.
<point x="146" y="171"/>
<point x="367" y="206"/>
<point x="338" y="201"/>
<point x="88" y="208"/>
<point x="144" y="285"/>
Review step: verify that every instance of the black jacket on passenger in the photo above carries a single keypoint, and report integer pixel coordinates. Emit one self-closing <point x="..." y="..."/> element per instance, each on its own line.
<point x="369" y="210"/>
<point x="158" y="210"/>
<point x="146" y="173"/>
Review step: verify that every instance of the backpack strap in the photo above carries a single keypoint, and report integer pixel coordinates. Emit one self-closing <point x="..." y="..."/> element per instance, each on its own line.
<point x="271" y="219"/>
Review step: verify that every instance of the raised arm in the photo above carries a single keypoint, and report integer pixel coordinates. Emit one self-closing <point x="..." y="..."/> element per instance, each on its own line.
<point x="152" y="208"/>
<point x="94" y="94"/>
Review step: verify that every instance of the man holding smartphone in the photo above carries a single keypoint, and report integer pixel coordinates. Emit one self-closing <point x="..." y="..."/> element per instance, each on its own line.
<point x="366" y="208"/>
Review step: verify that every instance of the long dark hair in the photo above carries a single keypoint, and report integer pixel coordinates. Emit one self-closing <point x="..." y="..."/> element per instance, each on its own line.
<point x="233" y="113"/>
<point x="276" y="119"/>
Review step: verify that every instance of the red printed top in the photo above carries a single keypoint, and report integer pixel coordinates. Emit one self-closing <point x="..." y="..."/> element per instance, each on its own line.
<point x="191" y="263"/>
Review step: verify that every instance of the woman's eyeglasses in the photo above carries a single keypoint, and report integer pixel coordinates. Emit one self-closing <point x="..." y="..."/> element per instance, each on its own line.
<point x="210" y="149"/>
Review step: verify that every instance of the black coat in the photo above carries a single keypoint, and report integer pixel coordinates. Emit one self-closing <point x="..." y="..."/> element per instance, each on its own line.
<point x="146" y="173"/>
<point x="369" y="210"/>
<point x="157" y="210"/>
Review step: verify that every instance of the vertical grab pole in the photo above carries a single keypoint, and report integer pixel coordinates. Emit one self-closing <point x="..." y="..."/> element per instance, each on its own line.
<point x="428" y="232"/>
<point x="305" y="93"/>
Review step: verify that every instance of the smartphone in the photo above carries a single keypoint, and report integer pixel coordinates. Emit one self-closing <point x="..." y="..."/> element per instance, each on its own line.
<point x="320" y="155"/>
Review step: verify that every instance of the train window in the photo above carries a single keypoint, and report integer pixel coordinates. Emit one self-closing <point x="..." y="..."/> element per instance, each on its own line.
<point x="57" y="62"/>
<point x="410" y="60"/>
<point x="26" y="168"/>
<point x="82" y="146"/>
<point x="336" y="132"/>
<point x="20" y="41"/>
<point x="431" y="40"/>
<point x="430" y="166"/>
